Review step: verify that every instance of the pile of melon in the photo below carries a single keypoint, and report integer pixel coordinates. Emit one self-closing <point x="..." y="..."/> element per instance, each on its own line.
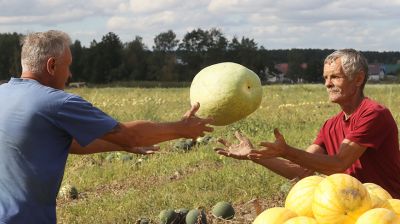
<point x="334" y="199"/>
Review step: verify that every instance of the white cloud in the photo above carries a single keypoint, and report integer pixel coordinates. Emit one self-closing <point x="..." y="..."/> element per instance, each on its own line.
<point x="366" y="24"/>
<point x="146" y="6"/>
<point x="142" y="23"/>
<point x="55" y="18"/>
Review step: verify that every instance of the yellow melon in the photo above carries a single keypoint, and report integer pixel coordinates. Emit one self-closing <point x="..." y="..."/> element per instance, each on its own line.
<point x="275" y="215"/>
<point x="340" y="199"/>
<point x="299" y="198"/>
<point x="378" y="194"/>
<point x="393" y="204"/>
<point x="301" y="220"/>
<point x="378" y="216"/>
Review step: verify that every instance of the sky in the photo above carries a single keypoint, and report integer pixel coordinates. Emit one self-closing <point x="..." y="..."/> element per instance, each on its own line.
<point x="367" y="25"/>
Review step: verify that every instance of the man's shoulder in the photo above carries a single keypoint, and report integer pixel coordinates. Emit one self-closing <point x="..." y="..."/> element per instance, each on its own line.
<point x="371" y="106"/>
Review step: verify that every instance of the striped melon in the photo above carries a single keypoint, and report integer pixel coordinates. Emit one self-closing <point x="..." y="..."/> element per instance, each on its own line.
<point x="378" y="194"/>
<point x="378" y="216"/>
<point x="299" y="198"/>
<point x="393" y="204"/>
<point x="301" y="220"/>
<point x="340" y="199"/>
<point x="275" y="215"/>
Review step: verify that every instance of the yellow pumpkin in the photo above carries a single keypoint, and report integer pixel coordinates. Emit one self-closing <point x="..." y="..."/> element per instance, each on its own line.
<point x="378" y="216"/>
<point x="340" y="199"/>
<point x="301" y="220"/>
<point x="299" y="198"/>
<point x="378" y="194"/>
<point x="275" y="215"/>
<point x="393" y="204"/>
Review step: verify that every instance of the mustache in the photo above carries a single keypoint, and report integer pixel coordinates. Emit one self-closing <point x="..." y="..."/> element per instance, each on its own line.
<point x="333" y="90"/>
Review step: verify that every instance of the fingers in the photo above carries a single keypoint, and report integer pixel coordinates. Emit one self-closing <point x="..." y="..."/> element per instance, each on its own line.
<point x="239" y="136"/>
<point x="195" y="107"/>
<point x="266" y="144"/>
<point x="154" y="148"/>
<point x="146" y="150"/>
<point x="224" y="142"/>
<point x="207" y="120"/>
<point x="277" y="134"/>
<point x="143" y="151"/>
<point x="222" y="152"/>
<point x="192" y="111"/>
<point x="255" y="154"/>
<point x="208" y="129"/>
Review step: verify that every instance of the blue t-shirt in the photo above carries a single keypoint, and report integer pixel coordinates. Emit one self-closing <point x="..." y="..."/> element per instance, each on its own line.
<point x="37" y="125"/>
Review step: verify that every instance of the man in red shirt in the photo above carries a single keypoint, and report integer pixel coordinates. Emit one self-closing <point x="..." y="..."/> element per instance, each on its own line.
<point x="362" y="140"/>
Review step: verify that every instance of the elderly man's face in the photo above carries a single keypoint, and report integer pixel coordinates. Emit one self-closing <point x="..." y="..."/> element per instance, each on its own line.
<point x="340" y="88"/>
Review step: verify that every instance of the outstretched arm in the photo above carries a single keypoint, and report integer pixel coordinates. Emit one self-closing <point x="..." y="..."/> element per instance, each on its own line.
<point x="283" y="167"/>
<point x="287" y="168"/>
<point x="349" y="152"/>
<point x="145" y="133"/>
<point x="100" y="145"/>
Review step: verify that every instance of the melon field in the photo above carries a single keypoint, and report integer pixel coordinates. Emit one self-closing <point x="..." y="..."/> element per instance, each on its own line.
<point x="122" y="188"/>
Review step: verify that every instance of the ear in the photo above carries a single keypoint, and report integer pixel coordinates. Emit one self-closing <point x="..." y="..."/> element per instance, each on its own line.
<point x="359" y="79"/>
<point x="51" y="65"/>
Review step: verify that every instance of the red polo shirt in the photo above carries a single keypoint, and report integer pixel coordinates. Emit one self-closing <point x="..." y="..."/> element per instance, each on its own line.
<point x="372" y="126"/>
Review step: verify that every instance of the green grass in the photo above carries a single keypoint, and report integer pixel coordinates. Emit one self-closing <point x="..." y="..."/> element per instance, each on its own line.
<point x="122" y="192"/>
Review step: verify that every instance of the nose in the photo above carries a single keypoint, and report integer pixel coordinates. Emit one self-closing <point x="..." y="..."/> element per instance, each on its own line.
<point x="328" y="82"/>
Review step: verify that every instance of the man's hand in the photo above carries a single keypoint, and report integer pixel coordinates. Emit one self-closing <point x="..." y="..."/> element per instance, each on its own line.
<point x="239" y="151"/>
<point x="146" y="150"/>
<point x="194" y="126"/>
<point x="271" y="149"/>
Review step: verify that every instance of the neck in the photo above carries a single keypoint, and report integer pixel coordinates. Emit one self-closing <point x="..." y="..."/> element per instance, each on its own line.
<point x="33" y="76"/>
<point x="349" y="107"/>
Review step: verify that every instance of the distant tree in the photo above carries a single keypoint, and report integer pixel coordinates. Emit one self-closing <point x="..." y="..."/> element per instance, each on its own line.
<point x="216" y="47"/>
<point x="136" y="60"/>
<point x="77" y="62"/>
<point x="162" y="62"/>
<point x="107" y="59"/>
<point x="111" y="60"/>
<point x="165" y="42"/>
<point x="10" y="56"/>
<point x="295" y="61"/>
<point x="244" y="52"/>
<point x="192" y="51"/>
<point x="314" y="70"/>
<point x="195" y="41"/>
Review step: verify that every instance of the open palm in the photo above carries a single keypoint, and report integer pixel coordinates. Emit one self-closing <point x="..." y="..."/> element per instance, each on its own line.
<point x="237" y="151"/>
<point x="270" y="149"/>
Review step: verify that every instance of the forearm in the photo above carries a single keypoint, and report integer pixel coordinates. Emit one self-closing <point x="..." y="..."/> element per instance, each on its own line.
<point x="144" y="133"/>
<point x="320" y="163"/>
<point x="284" y="168"/>
<point x="96" y="146"/>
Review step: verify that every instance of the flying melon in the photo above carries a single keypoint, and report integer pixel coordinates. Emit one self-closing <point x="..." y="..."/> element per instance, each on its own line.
<point x="227" y="92"/>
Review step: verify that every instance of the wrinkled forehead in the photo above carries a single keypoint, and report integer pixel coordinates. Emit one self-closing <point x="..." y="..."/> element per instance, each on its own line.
<point x="333" y="66"/>
<point x="333" y="61"/>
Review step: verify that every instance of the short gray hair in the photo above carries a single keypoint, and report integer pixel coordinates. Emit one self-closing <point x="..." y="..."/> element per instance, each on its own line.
<point x="352" y="61"/>
<point x="38" y="47"/>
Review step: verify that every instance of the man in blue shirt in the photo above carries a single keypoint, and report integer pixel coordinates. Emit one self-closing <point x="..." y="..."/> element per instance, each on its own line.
<point x="40" y="124"/>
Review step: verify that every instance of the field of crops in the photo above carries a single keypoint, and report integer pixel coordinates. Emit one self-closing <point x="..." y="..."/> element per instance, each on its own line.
<point x="123" y="189"/>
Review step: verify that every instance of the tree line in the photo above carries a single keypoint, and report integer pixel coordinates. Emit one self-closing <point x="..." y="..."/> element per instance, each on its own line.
<point x="170" y="59"/>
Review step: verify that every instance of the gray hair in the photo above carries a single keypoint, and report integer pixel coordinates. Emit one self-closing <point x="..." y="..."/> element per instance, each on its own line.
<point x="352" y="61"/>
<point x="38" y="47"/>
